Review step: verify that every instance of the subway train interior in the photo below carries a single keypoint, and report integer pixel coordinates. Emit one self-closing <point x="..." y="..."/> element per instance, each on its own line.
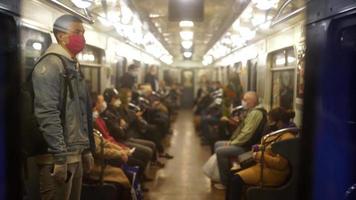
<point x="178" y="99"/>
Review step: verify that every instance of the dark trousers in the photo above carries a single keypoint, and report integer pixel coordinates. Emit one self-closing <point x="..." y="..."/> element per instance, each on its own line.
<point x="50" y="189"/>
<point x="234" y="188"/>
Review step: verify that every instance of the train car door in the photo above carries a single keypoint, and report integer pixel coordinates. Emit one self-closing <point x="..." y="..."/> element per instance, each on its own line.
<point x="330" y="105"/>
<point x="10" y="169"/>
<point x="187" y="81"/>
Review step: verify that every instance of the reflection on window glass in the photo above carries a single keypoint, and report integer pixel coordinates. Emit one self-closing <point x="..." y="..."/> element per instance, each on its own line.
<point x="92" y="75"/>
<point x="33" y="44"/>
<point x="283" y="89"/>
<point x="279" y="60"/>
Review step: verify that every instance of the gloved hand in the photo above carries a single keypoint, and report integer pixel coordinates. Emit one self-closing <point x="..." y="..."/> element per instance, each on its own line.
<point x="88" y="162"/>
<point x="60" y="172"/>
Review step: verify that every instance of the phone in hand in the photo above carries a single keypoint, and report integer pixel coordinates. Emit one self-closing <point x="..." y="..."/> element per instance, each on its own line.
<point x="132" y="150"/>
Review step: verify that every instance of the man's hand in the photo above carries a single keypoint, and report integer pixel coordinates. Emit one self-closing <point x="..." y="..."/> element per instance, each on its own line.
<point x="123" y="124"/>
<point x="60" y="172"/>
<point x="224" y="118"/>
<point x="88" y="162"/>
<point x="125" y="156"/>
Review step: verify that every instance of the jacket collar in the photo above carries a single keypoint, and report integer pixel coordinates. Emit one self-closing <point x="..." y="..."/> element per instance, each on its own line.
<point x="58" y="49"/>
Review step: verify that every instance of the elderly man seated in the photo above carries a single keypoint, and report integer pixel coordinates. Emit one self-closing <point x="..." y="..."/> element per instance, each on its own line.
<point x="247" y="133"/>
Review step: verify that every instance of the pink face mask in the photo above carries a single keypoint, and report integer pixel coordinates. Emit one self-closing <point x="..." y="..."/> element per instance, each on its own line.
<point x="76" y="43"/>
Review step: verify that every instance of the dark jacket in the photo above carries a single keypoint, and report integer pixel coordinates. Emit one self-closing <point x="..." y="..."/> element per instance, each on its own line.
<point x="112" y="119"/>
<point x="48" y="83"/>
<point x="153" y="81"/>
<point x="128" y="81"/>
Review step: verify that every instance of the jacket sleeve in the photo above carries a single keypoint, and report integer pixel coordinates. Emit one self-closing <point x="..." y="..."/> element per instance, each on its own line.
<point x="275" y="161"/>
<point x="113" y="124"/>
<point x="250" y="125"/>
<point x="109" y="152"/>
<point x="47" y="83"/>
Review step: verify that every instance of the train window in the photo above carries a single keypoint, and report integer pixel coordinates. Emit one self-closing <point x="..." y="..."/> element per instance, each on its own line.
<point x="283" y="71"/>
<point x="91" y="60"/>
<point x="118" y="70"/>
<point x="33" y="44"/>
<point x="252" y="74"/>
<point x="300" y="72"/>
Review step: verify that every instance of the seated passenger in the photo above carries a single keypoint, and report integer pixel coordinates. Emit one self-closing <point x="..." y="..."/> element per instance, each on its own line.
<point x="105" y="150"/>
<point x="137" y="126"/>
<point x="117" y="127"/>
<point x="276" y="168"/>
<point x="250" y="127"/>
<point x="99" y="106"/>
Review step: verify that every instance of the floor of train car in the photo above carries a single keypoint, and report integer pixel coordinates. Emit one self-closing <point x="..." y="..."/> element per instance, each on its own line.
<point x="182" y="177"/>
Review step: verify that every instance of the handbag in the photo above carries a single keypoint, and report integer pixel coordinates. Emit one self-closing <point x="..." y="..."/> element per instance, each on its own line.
<point x="246" y="160"/>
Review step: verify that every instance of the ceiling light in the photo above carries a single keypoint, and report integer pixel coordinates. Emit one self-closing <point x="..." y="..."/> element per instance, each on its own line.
<point x="186" y="35"/>
<point x="258" y="19"/>
<point x="37" y="46"/>
<point x="208" y="59"/>
<point x="186" y="24"/>
<point x="246" y="33"/>
<point x="265" y="4"/>
<point x="168" y="59"/>
<point x="187" y="44"/>
<point x="113" y="16"/>
<point x="265" y="26"/>
<point x="104" y="21"/>
<point x="187" y="54"/>
<point x="154" y="15"/>
<point x="247" y="13"/>
<point x="126" y="14"/>
<point x="82" y="3"/>
<point x="236" y="25"/>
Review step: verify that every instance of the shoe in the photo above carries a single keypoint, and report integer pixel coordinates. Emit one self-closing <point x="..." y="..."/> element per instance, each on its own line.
<point x="145" y="189"/>
<point x="158" y="164"/>
<point x="219" y="186"/>
<point x="146" y="179"/>
<point x="166" y="155"/>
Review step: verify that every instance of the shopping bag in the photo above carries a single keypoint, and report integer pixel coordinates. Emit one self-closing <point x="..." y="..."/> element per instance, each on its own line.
<point x="136" y="190"/>
<point x="211" y="169"/>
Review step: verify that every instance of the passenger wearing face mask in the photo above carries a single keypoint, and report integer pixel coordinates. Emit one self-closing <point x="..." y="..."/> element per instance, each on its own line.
<point x="118" y="127"/>
<point x="129" y="79"/>
<point x="248" y="132"/>
<point x="64" y="121"/>
<point x="275" y="167"/>
<point x="99" y="106"/>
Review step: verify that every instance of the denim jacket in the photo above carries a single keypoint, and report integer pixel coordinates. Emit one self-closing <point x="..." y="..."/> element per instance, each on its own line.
<point x="48" y="83"/>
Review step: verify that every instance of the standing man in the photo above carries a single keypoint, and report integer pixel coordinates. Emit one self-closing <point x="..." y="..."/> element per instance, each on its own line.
<point x="64" y="121"/>
<point x="129" y="79"/>
<point x="151" y="78"/>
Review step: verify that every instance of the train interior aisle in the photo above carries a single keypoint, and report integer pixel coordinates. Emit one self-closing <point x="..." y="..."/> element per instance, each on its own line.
<point x="182" y="177"/>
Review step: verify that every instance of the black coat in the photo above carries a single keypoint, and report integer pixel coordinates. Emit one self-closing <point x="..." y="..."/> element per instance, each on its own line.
<point x="128" y="81"/>
<point x="152" y="80"/>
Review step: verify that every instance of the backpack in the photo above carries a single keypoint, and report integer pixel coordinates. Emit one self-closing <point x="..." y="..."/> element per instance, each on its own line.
<point x="33" y="142"/>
